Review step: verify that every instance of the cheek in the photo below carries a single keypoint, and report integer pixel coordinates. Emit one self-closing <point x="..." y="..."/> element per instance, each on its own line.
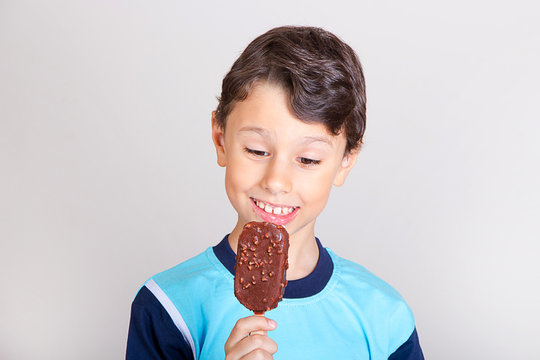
<point x="234" y="189"/>
<point x="239" y="177"/>
<point x="233" y="182"/>
<point x="316" y="188"/>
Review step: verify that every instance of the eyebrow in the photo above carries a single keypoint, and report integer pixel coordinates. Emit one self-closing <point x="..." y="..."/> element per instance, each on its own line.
<point x="306" y="141"/>
<point x="258" y="130"/>
<point x="323" y="139"/>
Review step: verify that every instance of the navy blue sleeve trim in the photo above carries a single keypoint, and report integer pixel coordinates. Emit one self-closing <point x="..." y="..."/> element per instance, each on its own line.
<point x="409" y="350"/>
<point x="152" y="333"/>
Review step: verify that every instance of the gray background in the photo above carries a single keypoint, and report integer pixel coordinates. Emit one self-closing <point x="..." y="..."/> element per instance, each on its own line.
<point x="108" y="174"/>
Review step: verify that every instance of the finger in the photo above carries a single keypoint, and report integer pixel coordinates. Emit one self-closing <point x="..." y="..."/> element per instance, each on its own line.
<point x="258" y="332"/>
<point x="247" y="325"/>
<point x="250" y="345"/>
<point x="257" y="355"/>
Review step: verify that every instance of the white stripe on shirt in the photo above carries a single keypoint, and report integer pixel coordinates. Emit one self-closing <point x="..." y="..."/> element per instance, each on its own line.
<point x="173" y="313"/>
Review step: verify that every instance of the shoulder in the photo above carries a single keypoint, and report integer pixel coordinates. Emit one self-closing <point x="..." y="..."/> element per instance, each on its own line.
<point x="159" y="327"/>
<point x="358" y="278"/>
<point x="376" y="302"/>
<point x="187" y="284"/>
<point x="188" y="268"/>
<point x="196" y="271"/>
<point x="169" y="302"/>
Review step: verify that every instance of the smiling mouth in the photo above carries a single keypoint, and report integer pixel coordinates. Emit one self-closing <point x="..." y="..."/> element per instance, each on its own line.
<point x="273" y="209"/>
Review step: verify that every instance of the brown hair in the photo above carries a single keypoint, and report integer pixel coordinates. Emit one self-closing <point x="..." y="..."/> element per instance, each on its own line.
<point x="321" y="73"/>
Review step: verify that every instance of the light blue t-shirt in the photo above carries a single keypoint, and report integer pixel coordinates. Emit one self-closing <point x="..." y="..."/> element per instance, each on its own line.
<point x="355" y="316"/>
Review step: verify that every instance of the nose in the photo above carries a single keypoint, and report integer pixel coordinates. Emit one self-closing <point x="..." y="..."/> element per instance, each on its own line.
<point x="277" y="177"/>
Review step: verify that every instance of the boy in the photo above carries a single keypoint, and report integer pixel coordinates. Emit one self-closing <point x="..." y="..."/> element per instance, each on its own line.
<point x="288" y="127"/>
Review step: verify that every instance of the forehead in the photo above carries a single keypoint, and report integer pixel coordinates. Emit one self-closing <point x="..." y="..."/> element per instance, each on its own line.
<point x="266" y="113"/>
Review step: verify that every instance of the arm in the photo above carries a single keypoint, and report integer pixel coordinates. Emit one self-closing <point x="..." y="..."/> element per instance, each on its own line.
<point x="152" y="332"/>
<point x="410" y="350"/>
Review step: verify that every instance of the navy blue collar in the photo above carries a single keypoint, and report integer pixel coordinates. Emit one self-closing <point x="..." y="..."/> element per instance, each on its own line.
<point x="308" y="286"/>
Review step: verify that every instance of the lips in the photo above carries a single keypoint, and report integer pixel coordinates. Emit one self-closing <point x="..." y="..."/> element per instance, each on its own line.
<point x="277" y="214"/>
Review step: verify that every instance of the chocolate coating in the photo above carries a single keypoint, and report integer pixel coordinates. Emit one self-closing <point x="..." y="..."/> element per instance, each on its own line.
<point x="261" y="263"/>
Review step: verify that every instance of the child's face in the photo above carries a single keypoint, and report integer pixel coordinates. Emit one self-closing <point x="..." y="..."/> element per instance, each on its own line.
<point x="278" y="168"/>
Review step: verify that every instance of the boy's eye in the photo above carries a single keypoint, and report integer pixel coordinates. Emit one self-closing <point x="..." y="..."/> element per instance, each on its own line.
<point x="256" y="152"/>
<point x="306" y="161"/>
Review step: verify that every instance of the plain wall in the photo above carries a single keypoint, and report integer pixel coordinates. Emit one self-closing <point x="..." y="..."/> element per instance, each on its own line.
<point x="108" y="174"/>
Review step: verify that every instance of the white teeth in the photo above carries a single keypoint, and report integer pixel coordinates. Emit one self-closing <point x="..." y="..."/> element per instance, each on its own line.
<point x="274" y="210"/>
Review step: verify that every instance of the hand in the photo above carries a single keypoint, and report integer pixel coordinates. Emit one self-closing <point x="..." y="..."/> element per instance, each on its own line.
<point x="248" y="339"/>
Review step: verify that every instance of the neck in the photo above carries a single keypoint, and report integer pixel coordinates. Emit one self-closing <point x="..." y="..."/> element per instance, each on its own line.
<point x="303" y="250"/>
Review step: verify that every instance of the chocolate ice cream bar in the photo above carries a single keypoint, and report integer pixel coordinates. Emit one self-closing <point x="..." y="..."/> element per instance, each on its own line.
<point x="261" y="262"/>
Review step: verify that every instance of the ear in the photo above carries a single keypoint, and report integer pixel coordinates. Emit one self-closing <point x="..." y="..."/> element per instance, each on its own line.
<point x="345" y="167"/>
<point x="218" y="137"/>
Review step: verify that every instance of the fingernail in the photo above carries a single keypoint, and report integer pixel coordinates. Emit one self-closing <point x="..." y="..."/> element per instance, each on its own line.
<point x="272" y="324"/>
